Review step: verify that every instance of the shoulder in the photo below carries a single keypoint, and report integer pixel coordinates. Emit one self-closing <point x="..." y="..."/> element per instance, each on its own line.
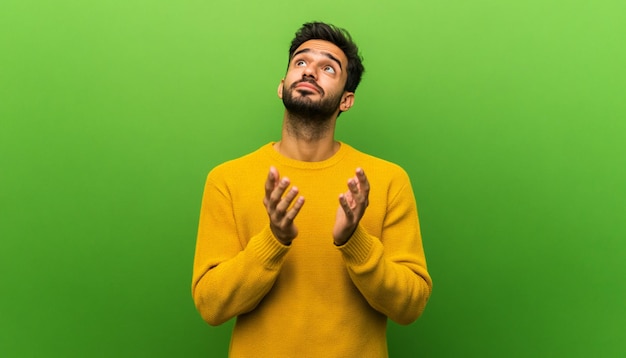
<point x="241" y="166"/>
<point x="377" y="165"/>
<point x="389" y="182"/>
<point x="385" y="177"/>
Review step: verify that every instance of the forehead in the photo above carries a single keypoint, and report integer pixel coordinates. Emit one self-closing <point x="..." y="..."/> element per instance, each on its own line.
<point x="324" y="47"/>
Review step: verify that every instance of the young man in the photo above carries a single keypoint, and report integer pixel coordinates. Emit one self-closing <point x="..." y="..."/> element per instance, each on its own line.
<point x="314" y="277"/>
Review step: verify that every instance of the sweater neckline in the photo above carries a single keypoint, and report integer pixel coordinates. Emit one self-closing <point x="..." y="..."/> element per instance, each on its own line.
<point x="281" y="159"/>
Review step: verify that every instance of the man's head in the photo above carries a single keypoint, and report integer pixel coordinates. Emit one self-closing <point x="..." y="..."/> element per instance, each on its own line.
<point x="323" y="73"/>
<point x="340" y="38"/>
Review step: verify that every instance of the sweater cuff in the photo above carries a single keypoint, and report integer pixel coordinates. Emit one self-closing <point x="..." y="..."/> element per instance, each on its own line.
<point x="358" y="248"/>
<point x="268" y="249"/>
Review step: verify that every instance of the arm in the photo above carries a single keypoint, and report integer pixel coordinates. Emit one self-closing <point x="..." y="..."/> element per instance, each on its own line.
<point x="390" y="271"/>
<point x="230" y="278"/>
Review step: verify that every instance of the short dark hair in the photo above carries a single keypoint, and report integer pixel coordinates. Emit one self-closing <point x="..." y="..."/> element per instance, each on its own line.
<point x="340" y="38"/>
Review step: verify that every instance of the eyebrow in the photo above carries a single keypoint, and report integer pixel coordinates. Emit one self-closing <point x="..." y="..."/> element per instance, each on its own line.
<point x="307" y="50"/>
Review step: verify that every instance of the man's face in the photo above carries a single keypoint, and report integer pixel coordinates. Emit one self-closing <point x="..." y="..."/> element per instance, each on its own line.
<point x="315" y="80"/>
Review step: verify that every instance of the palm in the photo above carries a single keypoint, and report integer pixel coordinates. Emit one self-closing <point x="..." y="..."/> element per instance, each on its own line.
<point x="342" y="222"/>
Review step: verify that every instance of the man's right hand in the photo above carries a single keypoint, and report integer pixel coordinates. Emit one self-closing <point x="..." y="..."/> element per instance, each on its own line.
<point x="278" y="206"/>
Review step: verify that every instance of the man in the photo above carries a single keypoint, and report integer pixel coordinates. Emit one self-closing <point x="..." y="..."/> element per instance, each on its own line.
<point x="314" y="277"/>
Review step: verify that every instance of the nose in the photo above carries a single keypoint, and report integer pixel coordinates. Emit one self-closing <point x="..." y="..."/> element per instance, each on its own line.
<point x="309" y="71"/>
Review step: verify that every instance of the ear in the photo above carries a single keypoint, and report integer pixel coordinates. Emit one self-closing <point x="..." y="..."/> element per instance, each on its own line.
<point x="346" y="101"/>
<point x="280" y="88"/>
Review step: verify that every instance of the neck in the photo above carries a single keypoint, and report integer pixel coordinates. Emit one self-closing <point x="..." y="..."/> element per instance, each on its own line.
<point x="309" y="141"/>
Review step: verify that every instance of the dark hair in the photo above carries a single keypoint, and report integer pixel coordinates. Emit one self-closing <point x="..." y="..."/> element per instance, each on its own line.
<point x="340" y="38"/>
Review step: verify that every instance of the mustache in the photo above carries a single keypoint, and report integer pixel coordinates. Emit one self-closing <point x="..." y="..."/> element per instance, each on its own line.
<point x="309" y="81"/>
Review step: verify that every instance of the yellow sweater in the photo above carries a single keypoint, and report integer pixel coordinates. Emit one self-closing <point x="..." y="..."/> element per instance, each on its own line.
<point x="312" y="298"/>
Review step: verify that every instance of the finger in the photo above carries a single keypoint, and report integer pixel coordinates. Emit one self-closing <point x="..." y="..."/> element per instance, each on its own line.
<point x="343" y="201"/>
<point x="270" y="183"/>
<point x="286" y="200"/>
<point x="277" y="193"/>
<point x="291" y="214"/>
<point x="353" y="186"/>
<point x="363" y="182"/>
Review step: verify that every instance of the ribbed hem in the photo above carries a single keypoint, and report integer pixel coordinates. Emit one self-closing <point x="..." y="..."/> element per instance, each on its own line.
<point x="268" y="249"/>
<point x="357" y="250"/>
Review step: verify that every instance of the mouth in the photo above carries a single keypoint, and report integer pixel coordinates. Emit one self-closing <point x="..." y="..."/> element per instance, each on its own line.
<point x="308" y="86"/>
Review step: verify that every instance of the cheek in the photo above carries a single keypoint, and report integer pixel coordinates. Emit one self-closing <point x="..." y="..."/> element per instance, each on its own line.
<point x="290" y="79"/>
<point x="335" y="86"/>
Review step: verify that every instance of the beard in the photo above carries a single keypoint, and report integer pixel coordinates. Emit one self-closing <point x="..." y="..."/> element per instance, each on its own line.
<point x="307" y="111"/>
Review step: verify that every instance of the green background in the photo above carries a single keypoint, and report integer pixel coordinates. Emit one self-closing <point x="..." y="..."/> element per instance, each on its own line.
<point x="510" y="117"/>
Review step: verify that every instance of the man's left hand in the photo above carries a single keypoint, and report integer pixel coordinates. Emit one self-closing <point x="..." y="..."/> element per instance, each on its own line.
<point x="352" y="205"/>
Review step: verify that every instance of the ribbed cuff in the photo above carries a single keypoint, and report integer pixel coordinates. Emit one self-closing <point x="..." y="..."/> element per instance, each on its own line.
<point x="268" y="249"/>
<point x="357" y="250"/>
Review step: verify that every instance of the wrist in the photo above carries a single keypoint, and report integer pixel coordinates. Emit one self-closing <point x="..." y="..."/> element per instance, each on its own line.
<point x="284" y="242"/>
<point x="344" y="239"/>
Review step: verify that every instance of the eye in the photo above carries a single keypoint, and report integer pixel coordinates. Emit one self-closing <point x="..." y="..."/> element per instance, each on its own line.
<point x="300" y="63"/>
<point x="329" y="69"/>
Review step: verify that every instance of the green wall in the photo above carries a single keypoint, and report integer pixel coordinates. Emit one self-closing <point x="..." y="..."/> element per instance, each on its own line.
<point x="510" y="118"/>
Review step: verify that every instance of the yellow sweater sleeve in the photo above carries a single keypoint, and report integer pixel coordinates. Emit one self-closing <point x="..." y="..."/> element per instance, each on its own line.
<point x="390" y="271"/>
<point x="228" y="278"/>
